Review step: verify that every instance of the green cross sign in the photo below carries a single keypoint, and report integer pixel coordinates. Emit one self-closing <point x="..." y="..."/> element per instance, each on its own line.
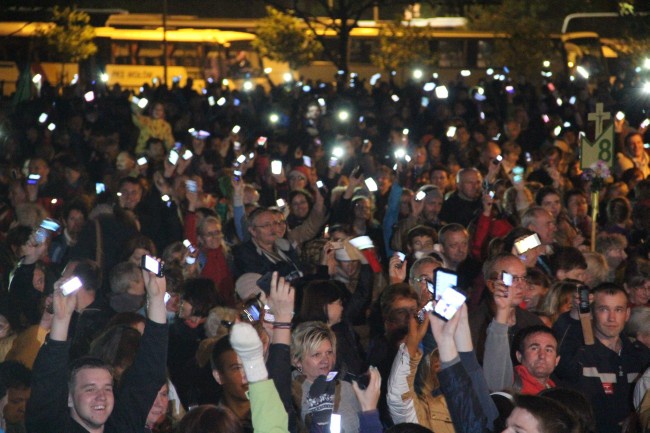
<point x="600" y="150"/>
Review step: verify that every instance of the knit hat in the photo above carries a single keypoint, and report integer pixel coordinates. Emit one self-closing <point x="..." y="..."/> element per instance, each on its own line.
<point x="246" y="286"/>
<point x="300" y="170"/>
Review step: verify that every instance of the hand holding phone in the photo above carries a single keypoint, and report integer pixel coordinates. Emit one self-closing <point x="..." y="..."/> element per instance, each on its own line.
<point x="152" y="265"/>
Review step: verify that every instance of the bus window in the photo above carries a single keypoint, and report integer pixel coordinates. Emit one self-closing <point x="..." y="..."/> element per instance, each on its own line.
<point x="361" y="50"/>
<point x="451" y="53"/>
<point x="484" y="53"/>
<point x="150" y="53"/>
<point x="120" y="53"/>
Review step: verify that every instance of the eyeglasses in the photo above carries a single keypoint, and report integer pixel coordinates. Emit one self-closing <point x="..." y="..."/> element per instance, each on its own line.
<point x="421" y="278"/>
<point x="267" y="226"/>
<point x="214" y="234"/>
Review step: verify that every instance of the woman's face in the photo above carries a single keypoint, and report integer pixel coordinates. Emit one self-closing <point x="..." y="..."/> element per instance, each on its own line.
<point x="551" y="202"/>
<point x="300" y="206"/>
<point x="577" y="206"/>
<point x="566" y="303"/>
<point x="297" y="182"/>
<point x="350" y="267"/>
<point x="640" y="295"/>
<point x="334" y="312"/>
<point x="158" y="111"/>
<point x="159" y="408"/>
<point x="522" y="421"/>
<point x="136" y="255"/>
<point x="318" y="362"/>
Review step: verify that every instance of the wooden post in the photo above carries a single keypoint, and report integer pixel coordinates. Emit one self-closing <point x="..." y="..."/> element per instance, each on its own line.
<point x="594" y="217"/>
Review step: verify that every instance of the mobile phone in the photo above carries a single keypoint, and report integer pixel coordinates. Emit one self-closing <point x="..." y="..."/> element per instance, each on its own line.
<point x="337" y="245"/>
<point x="191" y="186"/>
<point x="241" y="159"/>
<point x="497" y="160"/>
<point x="620" y="116"/>
<point x="100" y="188"/>
<point x="529" y="157"/>
<point x="33" y="179"/>
<point x="251" y="313"/>
<point x="443" y="279"/>
<point x="362" y="242"/>
<point x="362" y="380"/>
<point x="167" y="297"/>
<point x="507" y="279"/>
<point x="422" y="313"/>
<point x="236" y="129"/>
<point x="142" y="160"/>
<point x="306" y="160"/>
<point x="276" y="167"/>
<point x="424" y="101"/>
<point x="47" y="227"/>
<point x="451" y="131"/>
<point x="645" y="123"/>
<point x="491" y="193"/>
<point x="236" y="145"/>
<point x="319" y="184"/>
<point x="280" y="202"/>
<point x="528" y="243"/>
<point x="371" y="184"/>
<point x="401" y="255"/>
<point x="448" y="303"/>
<point x="71" y="286"/>
<point x="518" y="175"/>
<point x="264" y="282"/>
<point x="187" y="244"/>
<point x="173" y="157"/>
<point x="89" y="96"/>
<point x="583" y="295"/>
<point x="237" y="174"/>
<point x="187" y="154"/>
<point x="261" y="141"/>
<point x="420" y="195"/>
<point x="152" y="265"/>
<point x="326" y="231"/>
<point x="334" y="161"/>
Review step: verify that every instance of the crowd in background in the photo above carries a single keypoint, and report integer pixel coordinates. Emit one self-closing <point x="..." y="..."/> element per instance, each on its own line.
<point x="300" y="229"/>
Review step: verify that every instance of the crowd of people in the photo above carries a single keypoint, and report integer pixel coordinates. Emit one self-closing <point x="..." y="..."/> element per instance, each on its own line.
<point x="279" y="260"/>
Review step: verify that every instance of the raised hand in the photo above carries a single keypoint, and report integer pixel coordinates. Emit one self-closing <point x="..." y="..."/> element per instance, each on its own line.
<point x="369" y="397"/>
<point x="416" y="334"/>
<point x="396" y="269"/>
<point x="281" y="299"/>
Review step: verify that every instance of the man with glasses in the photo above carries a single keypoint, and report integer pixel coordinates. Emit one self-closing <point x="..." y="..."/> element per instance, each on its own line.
<point x="267" y="250"/>
<point x="214" y="258"/>
<point x="497" y="273"/>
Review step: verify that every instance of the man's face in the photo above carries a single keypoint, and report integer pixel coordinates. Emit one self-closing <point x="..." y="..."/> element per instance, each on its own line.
<point x="91" y="399"/>
<point x="74" y="222"/>
<point x="384" y="182"/>
<point x="540" y="355"/>
<point x="432" y="207"/>
<point x="635" y="146"/>
<point x="131" y="195"/>
<point x="313" y="112"/>
<point x="232" y="378"/>
<point x="469" y="186"/>
<point x="421" y="243"/>
<point x="610" y="314"/>
<point x="544" y="226"/>
<point x="14" y="411"/>
<point x="514" y="267"/>
<point x="424" y="273"/>
<point x="455" y="247"/>
<point x="639" y="295"/>
<point x="615" y="257"/>
<point x="400" y="312"/>
<point x="267" y="228"/>
<point x="211" y="236"/>
<point x="38" y="166"/>
<point x="440" y="178"/>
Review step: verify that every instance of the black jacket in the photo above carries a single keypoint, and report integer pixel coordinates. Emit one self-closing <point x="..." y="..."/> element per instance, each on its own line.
<point x="47" y="409"/>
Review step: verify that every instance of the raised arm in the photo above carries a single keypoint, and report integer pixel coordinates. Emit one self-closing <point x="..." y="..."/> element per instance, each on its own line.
<point x="497" y="365"/>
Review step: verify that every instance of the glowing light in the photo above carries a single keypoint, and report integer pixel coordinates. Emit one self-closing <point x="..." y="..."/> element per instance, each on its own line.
<point x="248" y="86"/>
<point x="103" y="77"/>
<point x="75" y="79"/>
<point x="557" y="130"/>
<point x="221" y="101"/>
<point x="165" y="197"/>
<point x="36" y="78"/>
<point x="572" y="100"/>
<point x="343" y="115"/>
<point x="418" y="74"/>
<point x="211" y="100"/>
<point x="646" y="87"/>
<point x="442" y="92"/>
<point x="374" y="79"/>
<point x="405" y="131"/>
<point x="582" y="71"/>
<point x="267" y="71"/>
<point x="546" y="63"/>
<point x="646" y="63"/>
<point x="429" y="87"/>
<point x="274" y="118"/>
<point x="435" y="75"/>
<point x="465" y="73"/>
<point x="567" y="124"/>
<point x="338" y="152"/>
<point x="42" y="118"/>
<point x="400" y="153"/>
<point x="143" y="102"/>
<point x="54" y="201"/>
<point x="489" y="71"/>
<point x="570" y="64"/>
<point x="225" y="82"/>
<point x="395" y="98"/>
<point x="559" y="101"/>
<point x="51" y="126"/>
<point x="89" y="96"/>
<point x="287" y="77"/>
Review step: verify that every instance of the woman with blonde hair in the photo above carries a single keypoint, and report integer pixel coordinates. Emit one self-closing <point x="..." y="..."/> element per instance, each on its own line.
<point x="559" y="299"/>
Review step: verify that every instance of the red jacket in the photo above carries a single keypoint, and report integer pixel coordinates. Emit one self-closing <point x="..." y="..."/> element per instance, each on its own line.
<point x="487" y="228"/>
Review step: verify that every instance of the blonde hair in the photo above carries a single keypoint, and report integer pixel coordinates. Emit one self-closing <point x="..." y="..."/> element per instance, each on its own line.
<point x="307" y="338"/>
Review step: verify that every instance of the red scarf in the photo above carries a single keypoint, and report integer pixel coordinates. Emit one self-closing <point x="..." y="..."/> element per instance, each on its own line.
<point x="529" y="384"/>
<point x="216" y="268"/>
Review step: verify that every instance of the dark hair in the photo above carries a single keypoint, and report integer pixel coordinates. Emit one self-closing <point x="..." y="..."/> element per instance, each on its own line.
<point x="619" y="210"/>
<point x="571" y="193"/>
<point x="129" y="179"/>
<point x="543" y="192"/>
<point x="513" y="235"/>
<point x="394" y="291"/>
<point x="637" y="272"/>
<point x="567" y="259"/>
<point x="210" y="419"/>
<point x="83" y="363"/>
<point x="220" y="347"/>
<point x="18" y="236"/>
<point x="126" y="318"/>
<point x="306" y="194"/>
<point x="75" y="204"/>
<point x="538" y="277"/>
<point x="90" y="274"/>
<point x="14" y="374"/>
<point x="576" y="404"/>
<point x="520" y="337"/>
<point x="116" y="346"/>
<point x="316" y="296"/>
<point x="139" y="241"/>
<point x="609" y="289"/>
<point x="551" y="415"/>
<point x="202" y="294"/>
<point x="450" y="228"/>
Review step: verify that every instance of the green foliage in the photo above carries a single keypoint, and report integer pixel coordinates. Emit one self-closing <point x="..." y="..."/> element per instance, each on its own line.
<point x="403" y="46"/>
<point x="71" y="38"/>
<point x="527" y="42"/>
<point x="280" y="37"/>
